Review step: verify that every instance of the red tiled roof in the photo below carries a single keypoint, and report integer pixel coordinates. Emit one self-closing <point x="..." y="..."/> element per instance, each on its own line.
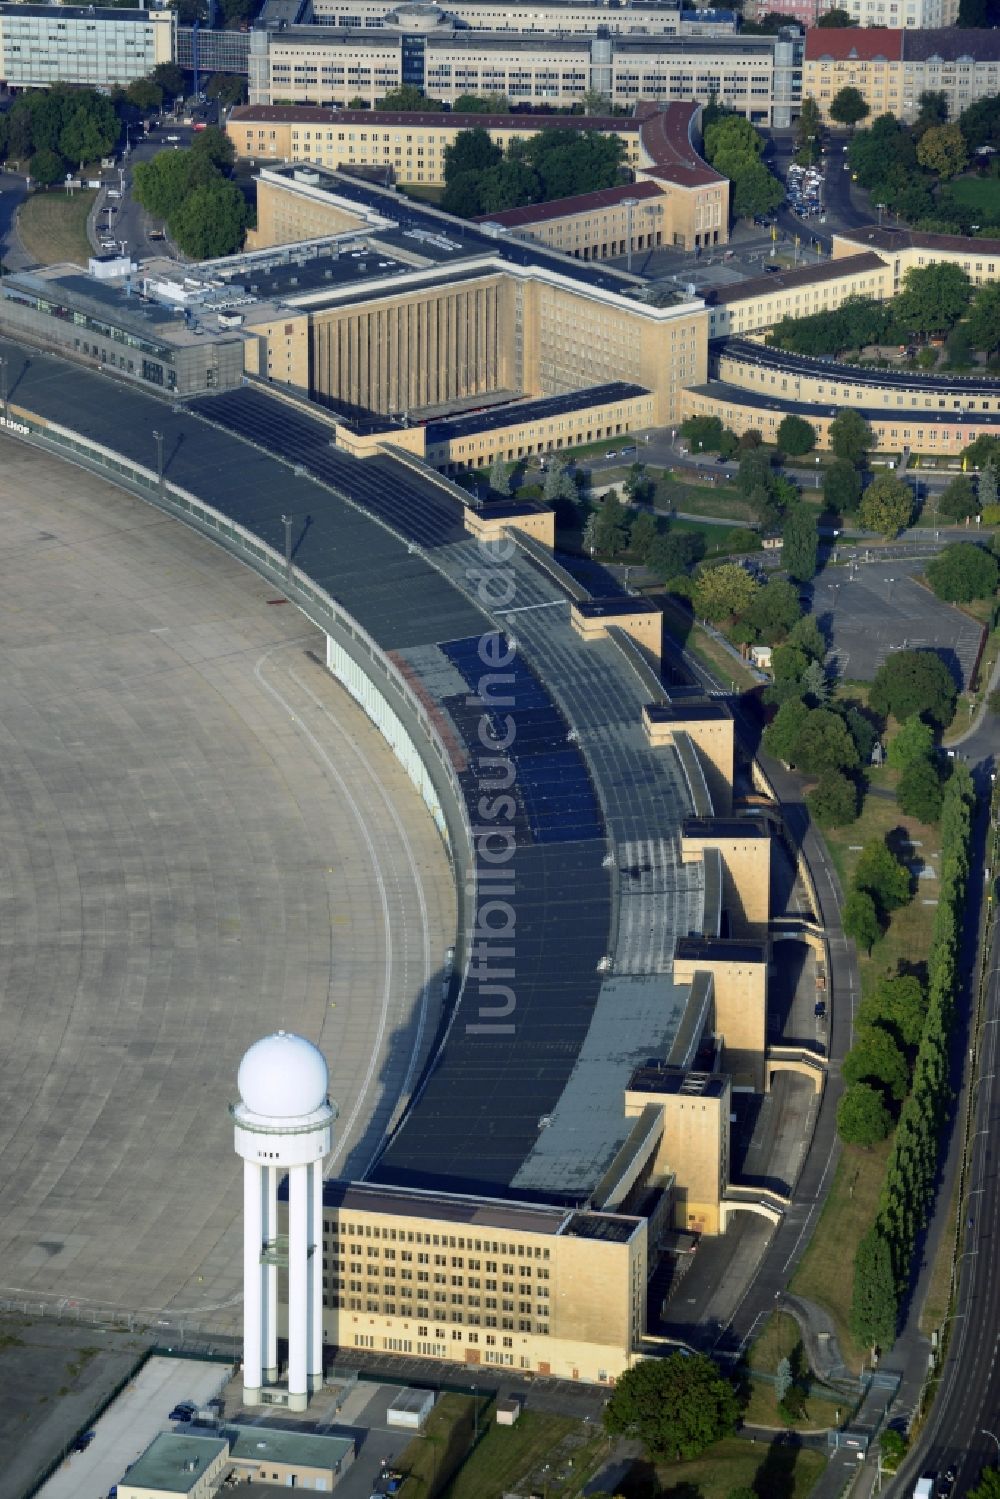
<point x="537" y="213"/>
<point x="842" y="44"/>
<point x="666" y="138"/>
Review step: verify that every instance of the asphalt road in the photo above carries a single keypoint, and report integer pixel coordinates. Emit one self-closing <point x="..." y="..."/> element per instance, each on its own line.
<point x="964" y="1426"/>
<point x="129" y="224"/>
<point x="12" y="194"/>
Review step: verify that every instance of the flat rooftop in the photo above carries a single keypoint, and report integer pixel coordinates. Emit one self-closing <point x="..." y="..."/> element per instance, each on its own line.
<point x="615" y="606"/>
<point x="174" y="1462"/>
<point x="770" y="357"/>
<point x="510" y="415"/>
<point x="693" y="709"/>
<point x="721" y="949"/>
<point x="305" y="1448"/>
<point x="905" y="416"/>
<point x="793" y="279"/>
<point x="608" y="1227"/>
<point x="724" y="827"/>
<point x="472" y="1212"/>
<point x="660" y="1077"/>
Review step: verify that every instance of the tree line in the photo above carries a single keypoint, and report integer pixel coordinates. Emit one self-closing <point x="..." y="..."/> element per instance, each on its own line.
<point x="883" y="1264"/>
<point x="192" y="193"/>
<point x="481" y="177"/>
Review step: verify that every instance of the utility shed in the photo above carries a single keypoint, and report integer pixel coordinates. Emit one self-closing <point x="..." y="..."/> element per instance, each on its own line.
<point x="410" y="1409"/>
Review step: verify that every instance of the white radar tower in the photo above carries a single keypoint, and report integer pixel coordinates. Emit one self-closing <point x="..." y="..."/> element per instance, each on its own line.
<point x="284" y="1123"/>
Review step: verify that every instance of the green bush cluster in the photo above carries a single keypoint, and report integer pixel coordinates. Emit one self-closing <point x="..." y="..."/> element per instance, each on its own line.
<point x="884" y="1261"/>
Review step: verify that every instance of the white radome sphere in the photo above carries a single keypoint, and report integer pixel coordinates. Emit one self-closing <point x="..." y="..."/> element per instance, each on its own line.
<point x="283" y="1077"/>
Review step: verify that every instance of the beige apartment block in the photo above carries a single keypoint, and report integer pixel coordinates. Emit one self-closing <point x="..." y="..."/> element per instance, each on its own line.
<point x="739" y="974"/>
<point x="694" y="1146"/>
<point x="472" y="1280"/>
<point x="902" y="249"/>
<point x="744" y="844"/>
<point x="708" y="723"/>
<point x="892" y="68"/>
<point x="756" y="305"/>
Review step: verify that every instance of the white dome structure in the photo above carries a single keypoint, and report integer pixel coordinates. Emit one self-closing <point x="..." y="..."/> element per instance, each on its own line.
<point x="283" y="1077"/>
<point x="283" y="1126"/>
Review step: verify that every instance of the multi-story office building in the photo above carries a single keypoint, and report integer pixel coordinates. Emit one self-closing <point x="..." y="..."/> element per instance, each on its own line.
<point x="758" y="76"/>
<point x="548" y="16"/>
<point x="895" y="14"/>
<point x="892" y="68"/>
<point x="677" y="199"/>
<point x="42" y="44"/>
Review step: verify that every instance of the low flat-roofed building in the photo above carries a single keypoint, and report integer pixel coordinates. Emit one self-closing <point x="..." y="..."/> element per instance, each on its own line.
<point x="177" y="1463"/>
<point x="577" y="16"/>
<point x="288" y="1458"/>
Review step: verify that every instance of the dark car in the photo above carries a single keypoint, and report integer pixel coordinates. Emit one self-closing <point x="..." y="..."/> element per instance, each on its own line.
<point x="819" y="1009"/>
<point x="182" y="1412"/>
<point x="774" y="269"/>
<point x="83" y="1441"/>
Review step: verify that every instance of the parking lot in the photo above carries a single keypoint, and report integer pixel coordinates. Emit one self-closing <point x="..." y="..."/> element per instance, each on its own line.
<point x="869" y="610"/>
<point x="131" y="1422"/>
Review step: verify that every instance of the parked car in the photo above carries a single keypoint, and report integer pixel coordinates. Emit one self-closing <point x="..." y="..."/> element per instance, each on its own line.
<point x="183" y="1411"/>
<point x="83" y="1441"/>
<point x="819" y="1009"/>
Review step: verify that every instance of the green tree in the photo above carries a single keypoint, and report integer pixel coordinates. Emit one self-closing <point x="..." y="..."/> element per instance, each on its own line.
<point x="816" y="684"/>
<point x="145" y="94"/>
<point x="983" y="325"/>
<point x="704" y="433"/>
<point x="228" y="88"/>
<point x="862" y="1117"/>
<point x="842" y="487"/>
<point x="919" y="793"/>
<point x="985" y="449"/>
<point x="942" y="150"/>
<point x="47" y="167"/>
<point x="824" y="743"/>
<point x="211" y="221"/>
<point x="880" y="873"/>
<point x="899" y="1005"/>
<point x="800" y="535"/>
<point x="86" y="138"/>
<point x="637" y="484"/>
<point x="958" y="500"/>
<point x="756" y="191"/>
<point x="674" y="552"/>
<point x="911" y="682"/>
<point x="463" y="195"/>
<point x="988" y="1486"/>
<point x="833" y="802"/>
<point x="850" y="436"/>
<point x="499" y="476"/>
<point x="796" y="436"/>
<point x="470" y="151"/>
<point x="239" y="10"/>
<point x="860" y="919"/>
<point x="723" y="591"/>
<point x="913" y="744"/>
<point x="848" y="107"/>
<point x="559" y="483"/>
<point x="612" y="526"/>
<point x="781" y="734"/>
<point x="213" y="145"/>
<point x="963" y="572"/>
<point x="676" y="1406"/>
<point x="932" y="109"/>
<point x="875" y="1308"/>
<point x="835" y="18"/>
<point x="933" y="297"/>
<point x="808" y="636"/>
<point x="408" y="99"/>
<point x="168" y="77"/>
<point x="886" y="505"/>
<point x="986" y="488"/>
<point x="809" y="125"/>
<point x="161" y="185"/>
<point x="481" y="104"/>
<point x="775" y="608"/>
<point x="642" y="534"/>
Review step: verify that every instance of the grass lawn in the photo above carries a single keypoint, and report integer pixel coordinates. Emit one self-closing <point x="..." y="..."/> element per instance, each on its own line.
<point x="730" y="1464"/>
<point x="725" y="668"/>
<point x="53" y="226"/>
<point x="444" y="1463"/>
<point x="981" y="193"/>
<point x="818" y="1413"/>
<point x="825" y="1272"/>
<point x="778" y="1339"/>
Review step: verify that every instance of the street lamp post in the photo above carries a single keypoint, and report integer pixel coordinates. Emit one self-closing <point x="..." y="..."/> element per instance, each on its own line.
<point x="286" y="521"/>
<point x="158" y="436"/>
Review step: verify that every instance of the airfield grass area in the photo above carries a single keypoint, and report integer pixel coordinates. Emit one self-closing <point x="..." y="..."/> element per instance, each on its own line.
<point x="53" y="227"/>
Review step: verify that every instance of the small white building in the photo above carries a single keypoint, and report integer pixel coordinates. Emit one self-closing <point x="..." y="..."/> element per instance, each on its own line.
<point x="410" y="1409"/>
<point x="760" y="656"/>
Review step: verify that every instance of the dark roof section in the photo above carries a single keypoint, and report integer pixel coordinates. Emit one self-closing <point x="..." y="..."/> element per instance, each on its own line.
<point x="78" y="13"/>
<point x="694" y="709"/>
<point x="498" y="417"/>
<point x="607" y="1228"/>
<point x="766" y="356"/>
<point x="891" y="240"/>
<point x="724" y="827"/>
<point x="951" y="44"/>
<point x="720" y="950"/>
<point x="614" y="606"/>
<point x="661" y="1077"/>
<point x="793" y="280"/>
<point x="315" y="114"/>
<point x="473" y="1212"/>
<point x="560" y="208"/>
<point x="667" y="138"/>
<point x="905" y="416"/>
<point x="866" y="44"/>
